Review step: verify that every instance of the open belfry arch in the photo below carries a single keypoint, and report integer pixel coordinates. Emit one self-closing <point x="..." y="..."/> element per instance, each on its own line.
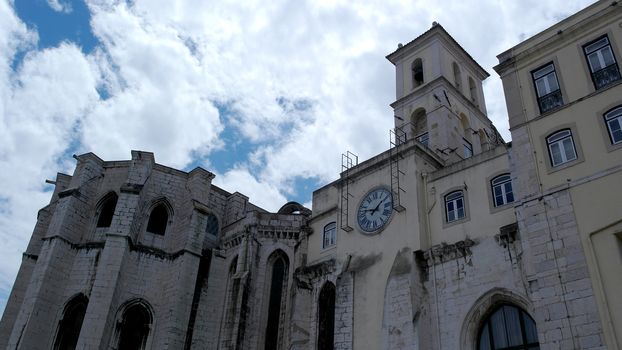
<point x="449" y="239"/>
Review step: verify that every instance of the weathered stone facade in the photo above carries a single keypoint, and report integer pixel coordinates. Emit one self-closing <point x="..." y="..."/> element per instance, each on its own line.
<point x="136" y="255"/>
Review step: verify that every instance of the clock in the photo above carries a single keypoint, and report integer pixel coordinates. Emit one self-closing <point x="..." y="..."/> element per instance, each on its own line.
<point x="375" y="210"/>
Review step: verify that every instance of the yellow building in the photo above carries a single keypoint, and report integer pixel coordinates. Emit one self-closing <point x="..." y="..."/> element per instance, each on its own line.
<point x="564" y="101"/>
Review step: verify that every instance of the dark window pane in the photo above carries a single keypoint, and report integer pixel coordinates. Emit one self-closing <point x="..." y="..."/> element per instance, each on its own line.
<point x="212" y="225"/>
<point x="497" y="323"/>
<point x="107" y="211"/>
<point x="70" y="325"/>
<point x="326" y="317"/>
<point x="134" y="328"/>
<point x="274" y="308"/>
<point x="158" y="220"/>
<point x="512" y="322"/>
<point x="531" y="332"/>
<point x="484" y="339"/>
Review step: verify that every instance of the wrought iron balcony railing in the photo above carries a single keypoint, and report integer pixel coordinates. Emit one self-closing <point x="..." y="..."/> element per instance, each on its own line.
<point x="606" y="76"/>
<point x="550" y="101"/>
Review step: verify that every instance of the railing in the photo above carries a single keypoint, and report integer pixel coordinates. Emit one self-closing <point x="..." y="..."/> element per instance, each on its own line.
<point x="550" y="101"/>
<point x="606" y="76"/>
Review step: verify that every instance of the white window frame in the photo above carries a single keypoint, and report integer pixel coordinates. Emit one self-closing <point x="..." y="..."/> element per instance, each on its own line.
<point x="501" y="182"/>
<point x="456" y="200"/>
<point x="559" y="140"/>
<point x="598" y="51"/>
<point x="545" y="74"/>
<point x="546" y="84"/>
<point x="329" y="238"/>
<point x="612" y="116"/>
<point x="597" y="47"/>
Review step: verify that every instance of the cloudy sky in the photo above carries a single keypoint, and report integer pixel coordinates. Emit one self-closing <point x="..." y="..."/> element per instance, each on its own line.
<point x="266" y="94"/>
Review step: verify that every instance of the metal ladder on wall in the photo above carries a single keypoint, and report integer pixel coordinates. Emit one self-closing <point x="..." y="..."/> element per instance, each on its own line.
<point x="348" y="160"/>
<point x="397" y="136"/>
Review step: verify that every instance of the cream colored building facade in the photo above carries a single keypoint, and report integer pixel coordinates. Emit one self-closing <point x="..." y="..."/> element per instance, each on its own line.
<point x="451" y="239"/>
<point x="581" y="54"/>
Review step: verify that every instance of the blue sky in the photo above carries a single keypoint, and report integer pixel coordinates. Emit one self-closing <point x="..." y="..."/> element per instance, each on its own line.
<point x="265" y="95"/>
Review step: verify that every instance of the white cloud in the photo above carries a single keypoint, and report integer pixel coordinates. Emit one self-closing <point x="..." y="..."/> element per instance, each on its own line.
<point x="240" y="179"/>
<point x="60" y="6"/>
<point x="164" y="65"/>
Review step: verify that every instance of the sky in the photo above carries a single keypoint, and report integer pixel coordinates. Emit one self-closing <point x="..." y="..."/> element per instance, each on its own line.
<point x="265" y="94"/>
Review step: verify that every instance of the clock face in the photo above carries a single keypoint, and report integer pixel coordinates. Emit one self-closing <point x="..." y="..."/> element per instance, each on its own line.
<point x="375" y="210"/>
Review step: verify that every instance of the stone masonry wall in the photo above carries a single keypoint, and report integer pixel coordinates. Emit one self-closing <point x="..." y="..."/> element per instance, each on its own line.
<point x="558" y="277"/>
<point x="458" y="277"/>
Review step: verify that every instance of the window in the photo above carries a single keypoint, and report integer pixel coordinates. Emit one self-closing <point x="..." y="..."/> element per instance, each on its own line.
<point x="278" y="288"/>
<point x="508" y="328"/>
<point x="547" y="88"/>
<point x="212" y="225"/>
<point x="158" y="219"/>
<point x="602" y="62"/>
<point x="467" y="149"/>
<point x="417" y="70"/>
<point x="106" y="211"/>
<point x="424" y="138"/>
<point x="326" y="317"/>
<point x="71" y="324"/>
<point x="561" y="147"/>
<point x="134" y="328"/>
<point x="454" y="206"/>
<point x="613" y="119"/>
<point x="502" y="190"/>
<point x="330" y="235"/>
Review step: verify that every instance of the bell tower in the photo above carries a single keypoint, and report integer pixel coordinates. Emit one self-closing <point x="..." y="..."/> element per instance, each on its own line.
<point x="439" y="96"/>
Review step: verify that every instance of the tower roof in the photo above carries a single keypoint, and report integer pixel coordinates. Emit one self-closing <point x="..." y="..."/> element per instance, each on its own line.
<point x="437" y="28"/>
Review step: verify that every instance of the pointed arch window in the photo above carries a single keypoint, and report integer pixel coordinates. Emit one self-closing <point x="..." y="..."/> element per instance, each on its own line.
<point x="278" y="285"/>
<point x="158" y="220"/>
<point x="71" y="324"/>
<point x="326" y="317"/>
<point x="134" y="328"/>
<point x="106" y="210"/>
<point x="508" y="328"/>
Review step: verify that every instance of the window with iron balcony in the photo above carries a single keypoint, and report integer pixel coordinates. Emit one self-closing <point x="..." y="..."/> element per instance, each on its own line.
<point x="602" y="62"/>
<point x="547" y="88"/>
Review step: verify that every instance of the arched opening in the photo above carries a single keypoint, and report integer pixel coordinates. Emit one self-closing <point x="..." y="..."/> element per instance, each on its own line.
<point x="467" y="139"/>
<point x="419" y="125"/>
<point x="158" y="220"/>
<point x="326" y="317"/>
<point x="417" y="71"/>
<point x="278" y="284"/>
<point x="231" y="305"/>
<point x="473" y="91"/>
<point x="457" y="76"/>
<point x="134" y="327"/>
<point x="508" y="327"/>
<point x="70" y="325"/>
<point x="106" y="210"/>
